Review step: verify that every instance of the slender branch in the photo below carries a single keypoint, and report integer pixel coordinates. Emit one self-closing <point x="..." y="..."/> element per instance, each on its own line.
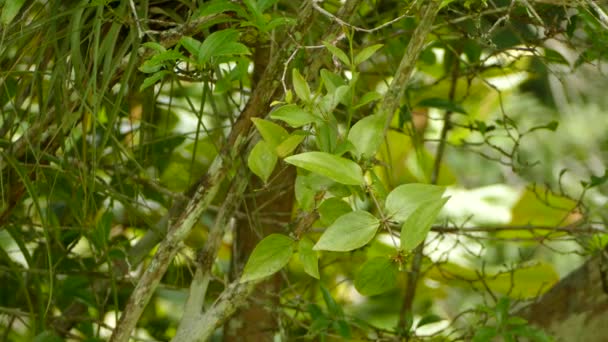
<point x="193" y="308"/>
<point x="236" y="142"/>
<point x="396" y="90"/>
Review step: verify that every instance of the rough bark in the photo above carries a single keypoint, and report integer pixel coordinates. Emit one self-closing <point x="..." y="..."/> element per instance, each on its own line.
<point x="258" y="321"/>
<point x="576" y="308"/>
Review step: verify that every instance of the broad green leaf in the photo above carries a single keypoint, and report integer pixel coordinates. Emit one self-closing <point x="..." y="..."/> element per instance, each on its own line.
<point x="367" y="135"/>
<point x="377" y="275"/>
<point x="349" y="232"/>
<point x="404" y="199"/>
<point x="300" y="86"/>
<point x="366" y="53"/>
<point x="191" y="45"/>
<point x="219" y="43"/>
<point x="337" y="53"/>
<point x="272" y="133"/>
<point x="308" y="257"/>
<point x="152" y="80"/>
<point x="293" y="115"/>
<point x="440" y="103"/>
<point x="289" y="145"/>
<point x="262" y="160"/>
<point x="10" y="10"/>
<point x="268" y="257"/>
<point x="331" y="209"/>
<point x="336" y="168"/>
<point x="418" y="224"/>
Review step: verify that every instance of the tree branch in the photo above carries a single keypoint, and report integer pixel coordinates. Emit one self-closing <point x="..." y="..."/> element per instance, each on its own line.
<point x="205" y="193"/>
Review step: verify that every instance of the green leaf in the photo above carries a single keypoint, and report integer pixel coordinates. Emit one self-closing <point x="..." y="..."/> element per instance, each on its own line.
<point x="47" y="336"/>
<point x="349" y="232"/>
<point x="219" y="43"/>
<point x="272" y="133"/>
<point x="217" y="7"/>
<point x="377" y="275"/>
<point x="331" y="80"/>
<point x="404" y="199"/>
<point x="337" y="53"/>
<point x="300" y="86"/>
<point x="367" y="98"/>
<point x="428" y="319"/>
<point x="10" y="10"/>
<point x="293" y="115"/>
<point x="366" y="53"/>
<point x="332" y="306"/>
<point x="330" y="101"/>
<point x="308" y="257"/>
<point x="151" y="80"/>
<point x="418" y="224"/>
<point x="440" y="103"/>
<point x="101" y="235"/>
<point x="191" y="45"/>
<point x="289" y="145"/>
<point x="158" y="61"/>
<point x="331" y="209"/>
<point x="367" y="135"/>
<point x="484" y="334"/>
<point x="262" y="160"/>
<point x="336" y="168"/>
<point x="268" y="257"/>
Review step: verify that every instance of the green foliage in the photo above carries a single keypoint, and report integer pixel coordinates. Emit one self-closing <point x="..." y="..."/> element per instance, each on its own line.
<point x="350" y="231"/>
<point x="262" y="160"/>
<point x="507" y="327"/>
<point x="377" y="275"/>
<point x="124" y="122"/>
<point x="336" y="168"/>
<point x="268" y="257"/>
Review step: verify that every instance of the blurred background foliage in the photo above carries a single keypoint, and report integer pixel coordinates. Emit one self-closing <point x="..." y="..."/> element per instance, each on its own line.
<point x="94" y="154"/>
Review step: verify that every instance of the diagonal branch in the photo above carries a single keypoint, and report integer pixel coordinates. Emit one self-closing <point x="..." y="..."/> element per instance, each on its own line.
<point x="204" y="195"/>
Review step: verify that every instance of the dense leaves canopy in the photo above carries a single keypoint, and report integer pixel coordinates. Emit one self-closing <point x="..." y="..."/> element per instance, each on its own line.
<point x="358" y="169"/>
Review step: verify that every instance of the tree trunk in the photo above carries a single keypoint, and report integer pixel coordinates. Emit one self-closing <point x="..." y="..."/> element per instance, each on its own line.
<point x="576" y="308"/>
<point x="258" y="321"/>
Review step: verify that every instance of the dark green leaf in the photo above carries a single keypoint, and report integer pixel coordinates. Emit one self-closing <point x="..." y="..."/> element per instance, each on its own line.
<point x="376" y="276"/>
